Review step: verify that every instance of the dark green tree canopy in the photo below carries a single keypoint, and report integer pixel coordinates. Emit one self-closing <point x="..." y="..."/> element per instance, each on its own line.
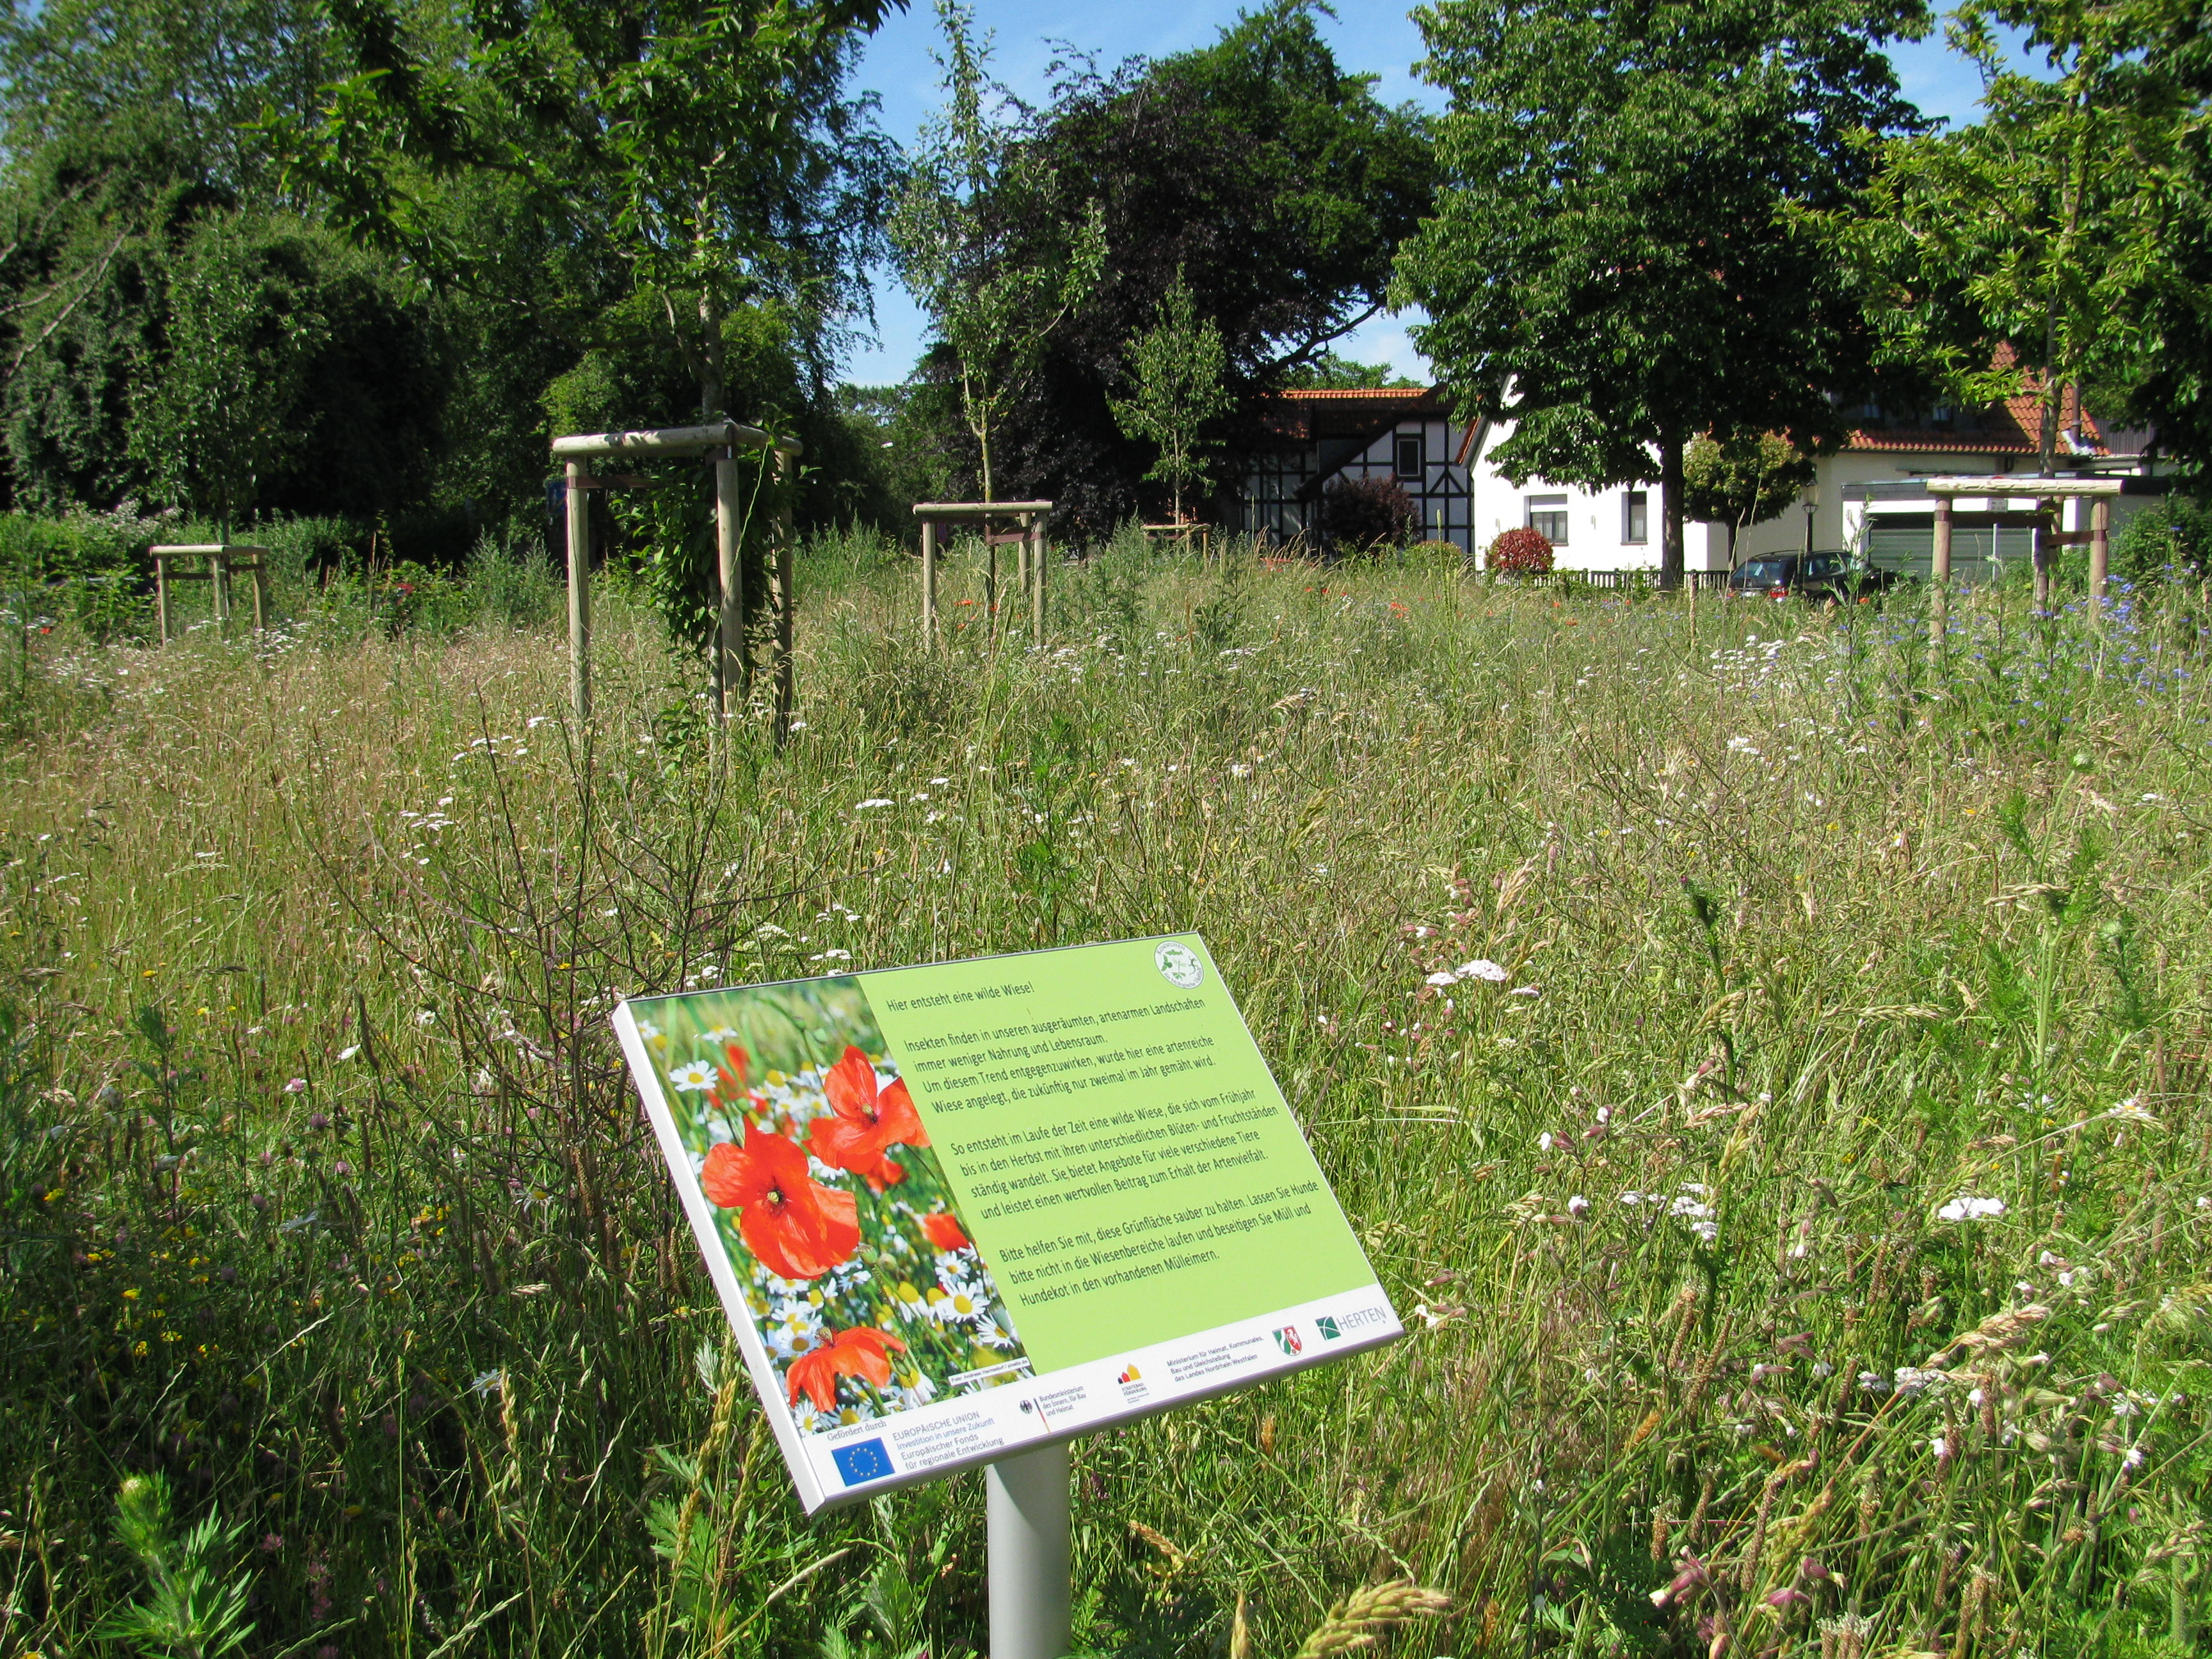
<point x="1608" y="265"/>
<point x="1277" y="180"/>
<point x="2171" y="386"/>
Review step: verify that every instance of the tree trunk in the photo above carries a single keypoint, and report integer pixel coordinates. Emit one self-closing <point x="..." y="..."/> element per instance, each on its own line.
<point x="710" y="358"/>
<point x="1670" y="515"/>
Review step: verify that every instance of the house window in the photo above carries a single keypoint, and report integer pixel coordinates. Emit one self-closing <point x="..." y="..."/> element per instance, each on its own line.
<point x="1548" y="514"/>
<point x="1409" y="455"/>
<point x="1636" y="518"/>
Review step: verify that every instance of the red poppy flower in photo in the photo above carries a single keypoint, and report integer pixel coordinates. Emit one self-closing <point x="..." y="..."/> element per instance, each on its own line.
<point x="880" y="1175"/>
<point x="863" y="1351"/>
<point x="944" y="1230"/>
<point x="730" y="1090"/>
<point x="868" y="1121"/>
<point x="799" y="1228"/>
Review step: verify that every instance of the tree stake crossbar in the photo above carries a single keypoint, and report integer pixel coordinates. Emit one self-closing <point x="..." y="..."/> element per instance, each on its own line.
<point x="222" y="558"/>
<point x="1028" y="539"/>
<point x="2047" y="494"/>
<point x="727" y="437"/>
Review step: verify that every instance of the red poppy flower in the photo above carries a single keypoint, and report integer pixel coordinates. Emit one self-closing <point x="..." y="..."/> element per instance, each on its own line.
<point x="880" y="1175"/>
<point x="862" y="1351"/>
<point x="799" y="1228"/>
<point x="867" y="1124"/>
<point x="944" y="1230"/>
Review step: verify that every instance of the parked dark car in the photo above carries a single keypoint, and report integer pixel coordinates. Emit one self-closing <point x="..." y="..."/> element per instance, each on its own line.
<point x="1843" y="577"/>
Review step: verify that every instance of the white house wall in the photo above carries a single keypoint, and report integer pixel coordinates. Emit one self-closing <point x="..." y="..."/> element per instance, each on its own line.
<point x="1597" y="519"/>
<point x="1858" y="495"/>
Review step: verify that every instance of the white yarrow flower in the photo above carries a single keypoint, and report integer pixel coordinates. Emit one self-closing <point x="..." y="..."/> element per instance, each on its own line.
<point x="1963" y="1208"/>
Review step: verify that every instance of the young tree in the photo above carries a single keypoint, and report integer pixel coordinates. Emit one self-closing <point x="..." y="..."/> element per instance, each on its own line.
<point x="2013" y="256"/>
<point x="994" y="268"/>
<point x="1743" y="478"/>
<point x="1609" y="265"/>
<point x="1177" y="365"/>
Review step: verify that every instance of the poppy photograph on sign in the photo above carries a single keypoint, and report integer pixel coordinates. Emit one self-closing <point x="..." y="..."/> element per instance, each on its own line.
<point x="850" y="1251"/>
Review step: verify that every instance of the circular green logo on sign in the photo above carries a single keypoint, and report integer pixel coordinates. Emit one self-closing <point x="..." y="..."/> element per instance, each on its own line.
<point x="1180" y="966"/>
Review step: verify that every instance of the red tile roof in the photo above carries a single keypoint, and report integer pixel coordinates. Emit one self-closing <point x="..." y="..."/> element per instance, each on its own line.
<point x="2012" y="428"/>
<point x="1347" y="412"/>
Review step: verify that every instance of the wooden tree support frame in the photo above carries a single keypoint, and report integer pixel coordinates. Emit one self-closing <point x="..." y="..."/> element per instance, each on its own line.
<point x="1027" y="540"/>
<point x="224" y="559"/>
<point x="719" y="442"/>
<point x="2048" y="494"/>
<point x="1183" y="533"/>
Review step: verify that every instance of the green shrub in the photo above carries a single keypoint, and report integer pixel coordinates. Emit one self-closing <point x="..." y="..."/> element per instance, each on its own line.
<point x="88" y="569"/>
<point x="2170" y="540"/>
<point x="512" y="581"/>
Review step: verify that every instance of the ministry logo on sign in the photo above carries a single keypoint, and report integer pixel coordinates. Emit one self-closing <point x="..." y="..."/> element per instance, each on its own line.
<point x="1289" y="1341"/>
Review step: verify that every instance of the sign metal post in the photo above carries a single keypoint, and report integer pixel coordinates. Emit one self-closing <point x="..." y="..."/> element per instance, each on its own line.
<point x="1026" y="1513"/>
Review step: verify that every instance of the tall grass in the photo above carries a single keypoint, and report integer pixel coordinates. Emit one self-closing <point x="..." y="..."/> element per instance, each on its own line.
<point x="1805" y="1241"/>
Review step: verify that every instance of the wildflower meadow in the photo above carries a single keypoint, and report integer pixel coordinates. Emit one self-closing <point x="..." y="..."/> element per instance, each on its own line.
<point x="1762" y="1049"/>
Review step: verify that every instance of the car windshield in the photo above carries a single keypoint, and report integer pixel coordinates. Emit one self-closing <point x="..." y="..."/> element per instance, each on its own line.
<point x="1760" y="571"/>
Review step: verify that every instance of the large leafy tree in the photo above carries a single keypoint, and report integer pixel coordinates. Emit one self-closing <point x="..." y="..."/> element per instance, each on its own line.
<point x="1610" y="265"/>
<point x="2169" y="382"/>
<point x="2012" y="256"/>
<point x="707" y="146"/>
<point x="1274" y="178"/>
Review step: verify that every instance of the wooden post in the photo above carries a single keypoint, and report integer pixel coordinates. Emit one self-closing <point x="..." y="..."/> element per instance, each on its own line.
<point x="928" y="583"/>
<point x="1942" y="567"/>
<point x="2044" y="550"/>
<point x="786" y="599"/>
<point x="161" y="593"/>
<point x="1022" y="574"/>
<point x="990" y="580"/>
<point x="730" y="639"/>
<point x="580" y="596"/>
<point x="1037" y="567"/>
<point x="260" y="567"/>
<point x="2101" y="551"/>
<point x="219" y="580"/>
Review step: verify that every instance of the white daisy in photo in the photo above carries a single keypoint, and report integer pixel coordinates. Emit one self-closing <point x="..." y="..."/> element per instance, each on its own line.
<point x="958" y="1303"/>
<point x="692" y="1077"/>
<point x="721" y="1037"/>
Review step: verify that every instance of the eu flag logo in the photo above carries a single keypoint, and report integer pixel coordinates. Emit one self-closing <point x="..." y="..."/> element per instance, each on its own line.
<point x="862" y="1461"/>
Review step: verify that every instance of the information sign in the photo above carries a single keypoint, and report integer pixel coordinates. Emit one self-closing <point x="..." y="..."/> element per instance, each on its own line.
<point x="956" y="1211"/>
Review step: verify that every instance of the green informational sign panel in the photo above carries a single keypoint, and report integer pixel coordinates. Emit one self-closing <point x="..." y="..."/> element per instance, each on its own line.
<point x="958" y="1210"/>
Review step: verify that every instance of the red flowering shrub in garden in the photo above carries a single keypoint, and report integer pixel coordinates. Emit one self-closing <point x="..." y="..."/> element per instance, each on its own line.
<point x="1520" y="553"/>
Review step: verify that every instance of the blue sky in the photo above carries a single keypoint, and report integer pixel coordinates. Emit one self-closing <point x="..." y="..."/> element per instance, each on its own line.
<point x="1377" y="39"/>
